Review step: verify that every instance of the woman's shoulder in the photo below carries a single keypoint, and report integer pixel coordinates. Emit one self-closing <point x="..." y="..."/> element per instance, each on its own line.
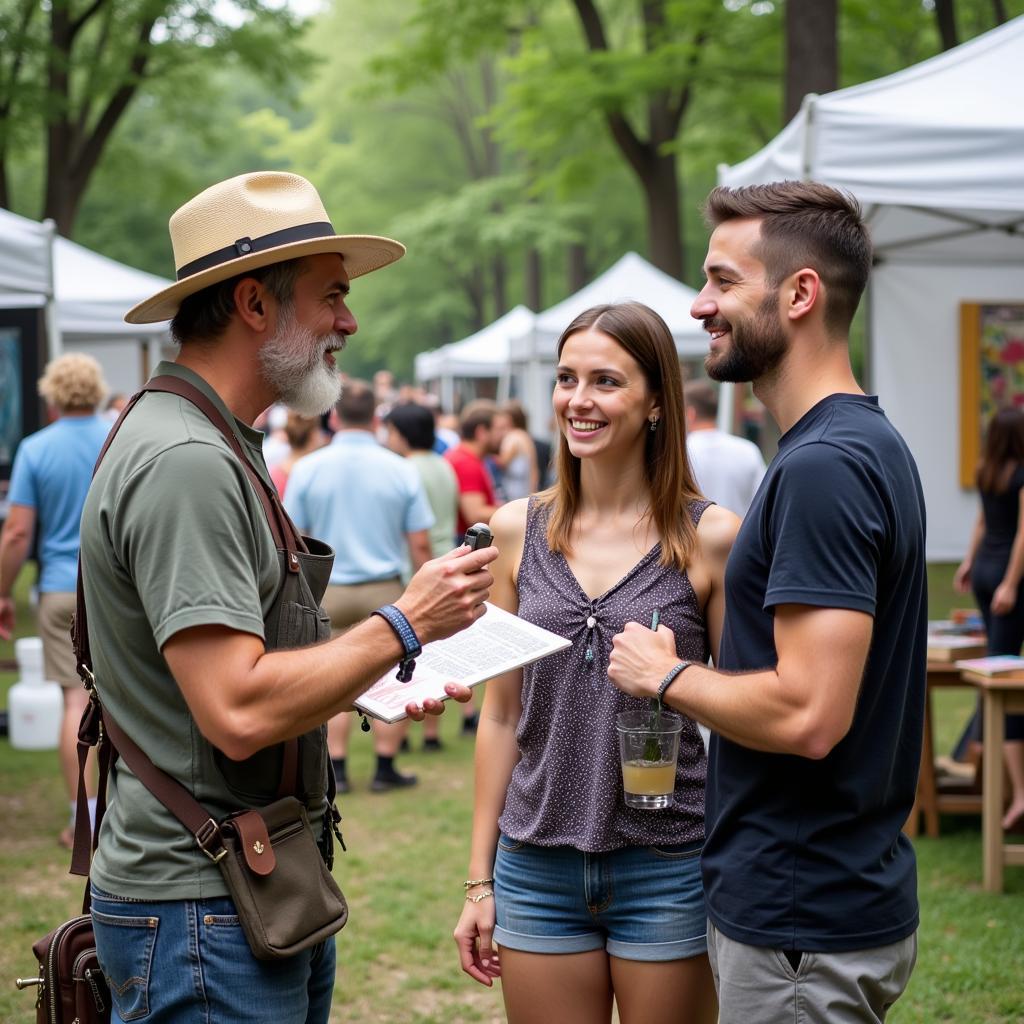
<point x="716" y="531"/>
<point x="509" y="520"/>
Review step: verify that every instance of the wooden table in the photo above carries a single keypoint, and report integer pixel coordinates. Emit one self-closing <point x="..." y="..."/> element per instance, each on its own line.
<point x="928" y="800"/>
<point x="1000" y="694"/>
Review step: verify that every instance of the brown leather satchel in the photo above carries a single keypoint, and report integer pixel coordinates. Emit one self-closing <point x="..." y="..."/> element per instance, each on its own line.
<point x="72" y="989"/>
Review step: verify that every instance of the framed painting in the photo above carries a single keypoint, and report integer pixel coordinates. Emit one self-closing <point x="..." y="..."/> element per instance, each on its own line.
<point x="991" y="372"/>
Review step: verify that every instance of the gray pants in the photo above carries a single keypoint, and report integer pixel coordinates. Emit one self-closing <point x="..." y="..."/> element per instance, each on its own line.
<point x="756" y="985"/>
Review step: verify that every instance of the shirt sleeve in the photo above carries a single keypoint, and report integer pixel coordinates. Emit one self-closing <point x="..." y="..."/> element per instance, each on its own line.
<point x="826" y="531"/>
<point x="192" y="533"/>
<point x="22" y="490"/>
<point x="419" y="515"/>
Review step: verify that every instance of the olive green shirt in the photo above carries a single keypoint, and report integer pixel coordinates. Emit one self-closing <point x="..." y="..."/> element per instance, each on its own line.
<point x="173" y="536"/>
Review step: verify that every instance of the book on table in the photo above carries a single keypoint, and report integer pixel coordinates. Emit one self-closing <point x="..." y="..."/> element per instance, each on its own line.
<point x="994" y="665"/>
<point x="497" y="642"/>
<point x="952" y="648"/>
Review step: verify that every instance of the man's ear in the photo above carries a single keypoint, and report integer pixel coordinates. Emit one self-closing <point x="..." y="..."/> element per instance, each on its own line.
<point x="251" y="303"/>
<point x="803" y="293"/>
<point x="333" y="421"/>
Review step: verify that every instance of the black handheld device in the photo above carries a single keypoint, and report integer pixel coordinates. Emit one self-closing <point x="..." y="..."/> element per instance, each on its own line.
<point x="478" y="536"/>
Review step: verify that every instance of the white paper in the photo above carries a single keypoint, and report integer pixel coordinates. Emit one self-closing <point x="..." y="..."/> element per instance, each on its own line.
<point x="497" y="642"/>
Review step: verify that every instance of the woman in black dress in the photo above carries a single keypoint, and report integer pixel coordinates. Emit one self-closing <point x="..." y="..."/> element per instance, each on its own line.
<point x="994" y="566"/>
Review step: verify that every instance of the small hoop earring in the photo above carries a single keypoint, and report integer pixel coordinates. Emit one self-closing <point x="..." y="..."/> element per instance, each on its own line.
<point x="654" y="423"/>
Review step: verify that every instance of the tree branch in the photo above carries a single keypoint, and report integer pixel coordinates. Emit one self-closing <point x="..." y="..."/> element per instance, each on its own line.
<point x="633" y="148"/>
<point x="88" y="156"/>
<point x="19" y="48"/>
<point x="77" y="24"/>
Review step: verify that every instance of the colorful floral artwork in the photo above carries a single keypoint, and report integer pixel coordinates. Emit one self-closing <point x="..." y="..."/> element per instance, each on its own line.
<point x="1002" y="359"/>
<point x="991" y="372"/>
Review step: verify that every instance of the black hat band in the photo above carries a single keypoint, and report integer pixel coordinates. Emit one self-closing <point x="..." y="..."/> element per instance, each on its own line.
<point x="247" y="246"/>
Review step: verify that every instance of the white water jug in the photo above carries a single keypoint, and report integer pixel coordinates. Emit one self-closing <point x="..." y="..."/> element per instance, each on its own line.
<point x="34" y="706"/>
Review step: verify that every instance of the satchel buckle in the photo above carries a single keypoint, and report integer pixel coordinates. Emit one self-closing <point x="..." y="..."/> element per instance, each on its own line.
<point x="209" y="832"/>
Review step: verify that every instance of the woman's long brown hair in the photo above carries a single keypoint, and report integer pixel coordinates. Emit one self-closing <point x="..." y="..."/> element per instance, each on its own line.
<point x="1004" y="449"/>
<point x="670" y="483"/>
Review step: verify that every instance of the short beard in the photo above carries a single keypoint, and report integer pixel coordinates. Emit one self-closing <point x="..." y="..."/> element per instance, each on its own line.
<point x="292" y="363"/>
<point x="758" y="345"/>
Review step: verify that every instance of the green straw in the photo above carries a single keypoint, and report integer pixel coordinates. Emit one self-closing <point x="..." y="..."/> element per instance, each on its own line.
<point x="652" y="750"/>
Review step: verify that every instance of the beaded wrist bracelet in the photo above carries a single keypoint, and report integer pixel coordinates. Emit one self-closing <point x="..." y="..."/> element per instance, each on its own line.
<point x="396" y="619"/>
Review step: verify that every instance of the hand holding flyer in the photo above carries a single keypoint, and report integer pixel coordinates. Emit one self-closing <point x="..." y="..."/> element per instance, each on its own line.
<point x="497" y="642"/>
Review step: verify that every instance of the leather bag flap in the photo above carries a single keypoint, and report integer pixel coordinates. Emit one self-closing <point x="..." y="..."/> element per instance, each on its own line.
<point x="255" y="842"/>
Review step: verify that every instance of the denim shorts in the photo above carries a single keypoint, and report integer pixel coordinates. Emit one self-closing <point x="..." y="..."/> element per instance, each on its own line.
<point x="638" y="903"/>
<point x="188" y="962"/>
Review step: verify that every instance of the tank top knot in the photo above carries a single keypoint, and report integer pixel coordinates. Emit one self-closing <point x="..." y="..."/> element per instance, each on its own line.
<point x="566" y="789"/>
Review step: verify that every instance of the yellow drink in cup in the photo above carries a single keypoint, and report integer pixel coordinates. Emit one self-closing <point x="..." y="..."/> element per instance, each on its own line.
<point x="649" y="778"/>
<point x="649" y="749"/>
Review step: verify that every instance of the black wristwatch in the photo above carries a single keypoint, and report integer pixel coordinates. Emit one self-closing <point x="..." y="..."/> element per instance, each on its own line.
<point x="396" y="619"/>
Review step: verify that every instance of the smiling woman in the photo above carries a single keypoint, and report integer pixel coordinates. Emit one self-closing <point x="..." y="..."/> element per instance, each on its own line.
<point x="623" y="535"/>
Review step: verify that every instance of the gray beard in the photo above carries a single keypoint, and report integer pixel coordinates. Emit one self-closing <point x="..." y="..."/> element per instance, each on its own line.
<point x="292" y="363"/>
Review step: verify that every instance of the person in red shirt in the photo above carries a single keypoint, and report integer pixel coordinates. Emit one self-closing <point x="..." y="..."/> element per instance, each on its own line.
<point x="477" y="500"/>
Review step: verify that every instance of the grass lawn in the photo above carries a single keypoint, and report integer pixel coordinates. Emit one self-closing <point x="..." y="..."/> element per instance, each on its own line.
<point x="406" y="861"/>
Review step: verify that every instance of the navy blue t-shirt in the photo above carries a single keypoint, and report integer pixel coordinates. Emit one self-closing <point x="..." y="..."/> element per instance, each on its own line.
<point x="809" y="855"/>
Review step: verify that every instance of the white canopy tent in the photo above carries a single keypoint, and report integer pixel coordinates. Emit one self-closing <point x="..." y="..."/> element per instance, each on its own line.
<point x="532" y="352"/>
<point x="935" y="153"/>
<point x="483" y="354"/>
<point x="90" y="294"/>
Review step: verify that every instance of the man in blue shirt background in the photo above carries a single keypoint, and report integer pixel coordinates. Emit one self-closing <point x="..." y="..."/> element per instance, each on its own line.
<point x="49" y="480"/>
<point x="369" y="504"/>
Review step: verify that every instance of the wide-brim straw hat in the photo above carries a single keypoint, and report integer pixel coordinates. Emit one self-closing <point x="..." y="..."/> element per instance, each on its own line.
<point x="252" y="221"/>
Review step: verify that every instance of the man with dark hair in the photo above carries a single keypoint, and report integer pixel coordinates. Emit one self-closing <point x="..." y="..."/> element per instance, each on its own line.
<point x="411" y="435"/>
<point x="728" y="469"/>
<point x="209" y="647"/>
<point x="370" y="506"/>
<point x="477" y="499"/>
<point x="810" y="883"/>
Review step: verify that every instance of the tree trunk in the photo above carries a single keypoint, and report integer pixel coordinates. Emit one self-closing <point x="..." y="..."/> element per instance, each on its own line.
<point x="945" y="14"/>
<point x="576" y="265"/>
<point x="812" y="52"/>
<point x="999" y="10"/>
<point x="58" y="131"/>
<point x="498" y="277"/>
<point x="661" y="196"/>
<point x="533" y="279"/>
<point x="475" y="289"/>
<point x="73" y="145"/>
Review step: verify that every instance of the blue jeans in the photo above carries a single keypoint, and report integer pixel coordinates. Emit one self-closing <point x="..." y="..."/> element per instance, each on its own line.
<point x="187" y="962"/>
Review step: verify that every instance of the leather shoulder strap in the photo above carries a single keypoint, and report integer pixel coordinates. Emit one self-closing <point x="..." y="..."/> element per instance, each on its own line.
<point x="167" y="790"/>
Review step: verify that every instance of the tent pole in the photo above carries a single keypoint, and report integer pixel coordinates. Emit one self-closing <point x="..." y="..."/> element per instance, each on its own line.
<point x="726" y="407"/>
<point x="53" y="339"/>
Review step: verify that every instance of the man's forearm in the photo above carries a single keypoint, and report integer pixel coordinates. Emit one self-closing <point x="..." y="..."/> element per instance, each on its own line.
<point x="13" y="552"/>
<point x="265" y="697"/>
<point x="752" y="709"/>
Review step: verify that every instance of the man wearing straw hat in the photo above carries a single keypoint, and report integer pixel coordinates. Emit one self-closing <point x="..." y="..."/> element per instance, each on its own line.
<point x="208" y="644"/>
